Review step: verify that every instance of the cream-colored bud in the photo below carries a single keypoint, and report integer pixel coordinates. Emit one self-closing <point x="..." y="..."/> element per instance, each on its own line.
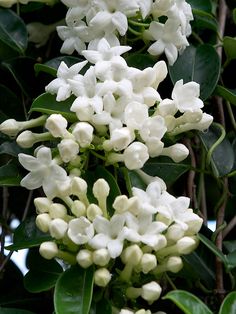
<point x="68" y="149"/>
<point x="101" y="257"/>
<point x="93" y="211"/>
<point x="148" y="262"/>
<point x="174" y="233"/>
<point x="186" y="245"/>
<point x="83" y="133"/>
<point x="120" y="204"/>
<point x="176" y="152"/>
<point x="43" y="221"/>
<point x="42" y="204"/>
<point x="101" y="189"/>
<point x="174" y="264"/>
<point x="102" y="276"/>
<point x="26" y="139"/>
<point x="84" y="258"/>
<point x="79" y="186"/>
<point x="78" y="208"/>
<point x="151" y="292"/>
<point x="48" y="249"/>
<point x="57" y="210"/>
<point x="56" y="125"/>
<point x="11" y="127"/>
<point x="58" y="228"/>
<point x="132" y="255"/>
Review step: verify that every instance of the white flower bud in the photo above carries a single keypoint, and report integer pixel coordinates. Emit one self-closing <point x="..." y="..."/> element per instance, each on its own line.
<point x="186" y="245"/>
<point x="83" y="133"/>
<point x="101" y="257"/>
<point x="176" y="152"/>
<point x="151" y="291"/>
<point x="93" y="211"/>
<point x="204" y="123"/>
<point x="84" y="258"/>
<point x="42" y="204"/>
<point x="155" y="146"/>
<point x="78" y="208"/>
<point x="134" y="115"/>
<point x="48" y="249"/>
<point x="102" y="277"/>
<point x="161" y="242"/>
<point x="11" y="127"/>
<point x="43" y="221"/>
<point x="135" y="155"/>
<point x="174" y="232"/>
<point x="120" y="204"/>
<point x="68" y="149"/>
<point x="56" y="125"/>
<point x="26" y="139"/>
<point x="57" y="210"/>
<point x="174" y="264"/>
<point x="153" y="127"/>
<point x="148" y="262"/>
<point x="132" y="255"/>
<point x="120" y="139"/>
<point x="166" y="108"/>
<point x="124" y="311"/>
<point x="101" y="189"/>
<point x="58" y="228"/>
<point x="79" y="186"/>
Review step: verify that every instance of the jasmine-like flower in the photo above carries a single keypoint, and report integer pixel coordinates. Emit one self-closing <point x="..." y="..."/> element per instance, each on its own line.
<point x="44" y="172"/>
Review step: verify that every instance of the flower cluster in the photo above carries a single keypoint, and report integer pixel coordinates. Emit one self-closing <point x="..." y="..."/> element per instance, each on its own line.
<point x="148" y="232"/>
<point x="89" y="21"/>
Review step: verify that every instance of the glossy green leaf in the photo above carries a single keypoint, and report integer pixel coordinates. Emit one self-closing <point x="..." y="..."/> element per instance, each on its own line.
<point x="134" y="180"/>
<point x="140" y="61"/>
<point x="229" y="304"/>
<point x="165" y="168"/>
<point x="222" y="158"/>
<point x="27" y="235"/>
<point x="46" y="103"/>
<point x="5" y="310"/>
<point x="204" y="20"/>
<point x="230" y="245"/>
<point x="229" y="44"/>
<point x="101" y="307"/>
<point x="73" y="291"/>
<point x="12" y="149"/>
<point x="39" y="67"/>
<point x="25" y="79"/>
<point x="204" y="5"/>
<point x="69" y="60"/>
<point x="187" y="302"/>
<point x="201" y="65"/>
<point x="42" y="274"/>
<point x="9" y="175"/>
<point x="231" y="260"/>
<point x="13" y="30"/>
<point x="226" y="93"/>
<point x="211" y="246"/>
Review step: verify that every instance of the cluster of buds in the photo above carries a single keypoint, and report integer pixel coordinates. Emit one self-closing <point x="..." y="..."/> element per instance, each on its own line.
<point x="89" y="21"/>
<point x="148" y="232"/>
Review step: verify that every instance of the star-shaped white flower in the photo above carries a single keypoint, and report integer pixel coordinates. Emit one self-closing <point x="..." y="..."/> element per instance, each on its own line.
<point x="43" y="172"/>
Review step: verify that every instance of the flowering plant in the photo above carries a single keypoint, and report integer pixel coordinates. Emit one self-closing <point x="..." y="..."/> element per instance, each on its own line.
<point x="110" y="130"/>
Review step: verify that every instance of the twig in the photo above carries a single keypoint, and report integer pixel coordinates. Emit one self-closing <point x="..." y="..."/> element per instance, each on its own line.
<point x="4" y="217"/>
<point x="229" y="227"/>
<point x="27" y="205"/>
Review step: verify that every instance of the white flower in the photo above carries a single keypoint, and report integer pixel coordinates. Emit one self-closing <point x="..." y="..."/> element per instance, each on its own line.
<point x="119" y="139"/>
<point x="43" y="172"/>
<point x="58" y="228"/>
<point x="186" y="96"/>
<point x="135" y="114"/>
<point x="80" y="230"/>
<point x="135" y="155"/>
<point x="83" y="133"/>
<point x="153" y="127"/>
<point x="60" y="85"/>
<point x="68" y="149"/>
<point x="110" y="234"/>
<point x="169" y="39"/>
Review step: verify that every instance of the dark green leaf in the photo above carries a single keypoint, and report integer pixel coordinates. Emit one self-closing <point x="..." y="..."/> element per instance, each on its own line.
<point x="25" y="79"/>
<point x="204" y="20"/>
<point x="73" y="291"/>
<point x="10" y="106"/>
<point x="229" y="304"/>
<point x="101" y="307"/>
<point x="201" y="65"/>
<point x="46" y="103"/>
<point x="229" y="44"/>
<point x="134" y="180"/>
<point x="187" y="302"/>
<point x="11" y="148"/>
<point x="222" y="158"/>
<point x="13" y="30"/>
<point x="42" y="274"/>
<point x="234" y="15"/>
<point x="230" y="245"/>
<point x="165" y="168"/>
<point x="226" y="93"/>
<point x="211" y="246"/>
<point x="140" y="61"/>
<point x="204" y="5"/>
<point x="9" y="175"/>
<point x="4" y="310"/>
<point x="39" y="67"/>
<point x="231" y="260"/>
<point x="27" y="235"/>
<point x="54" y="63"/>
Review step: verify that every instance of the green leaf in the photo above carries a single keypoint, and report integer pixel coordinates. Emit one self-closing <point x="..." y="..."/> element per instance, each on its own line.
<point x="27" y="235"/>
<point x="229" y="44"/>
<point x="4" y="310"/>
<point x="187" y="302"/>
<point x="134" y="180"/>
<point x="204" y="20"/>
<point x="12" y="149"/>
<point x="231" y="260"/>
<point x="9" y="175"/>
<point x="204" y="5"/>
<point x="47" y="103"/>
<point x="69" y="60"/>
<point x="73" y="291"/>
<point x="101" y="307"/>
<point x="226" y="93"/>
<point x="42" y="274"/>
<point x="13" y="31"/>
<point x="140" y="61"/>
<point x="10" y="106"/>
<point x="222" y="158"/>
<point x="211" y="246"/>
<point x="228" y="306"/>
<point x="234" y="15"/>
<point x="201" y="65"/>
<point x="39" y="67"/>
<point x="165" y="168"/>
